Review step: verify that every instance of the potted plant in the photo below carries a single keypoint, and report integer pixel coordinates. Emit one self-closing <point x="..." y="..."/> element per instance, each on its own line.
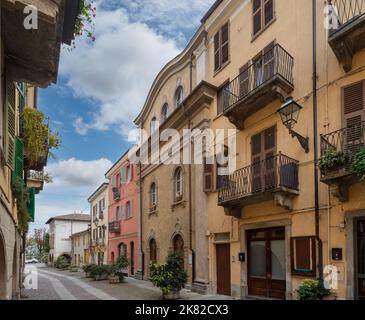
<point x="333" y="161"/>
<point x="74" y="268"/>
<point x="117" y="270"/>
<point x="99" y="273"/>
<point x="87" y="269"/>
<point x="313" y="289"/>
<point x="62" y="263"/>
<point x="358" y="164"/>
<point x="169" y="277"/>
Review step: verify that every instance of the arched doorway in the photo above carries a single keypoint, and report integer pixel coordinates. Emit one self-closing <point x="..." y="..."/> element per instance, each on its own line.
<point x="178" y="246"/>
<point x="67" y="257"/>
<point x="2" y="268"/>
<point x="153" y="250"/>
<point x="132" y="258"/>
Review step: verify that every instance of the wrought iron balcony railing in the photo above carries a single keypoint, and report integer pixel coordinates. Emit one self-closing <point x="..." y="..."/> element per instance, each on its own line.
<point x="114" y="227"/>
<point x="347" y="10"/>
<point x="274" y="63"/>
<point x="348" y="140"/>
<point x="116" y="194"/>
<point x="277" y="173"/>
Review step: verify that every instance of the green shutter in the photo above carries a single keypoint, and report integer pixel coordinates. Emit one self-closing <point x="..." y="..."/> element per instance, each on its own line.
<point x="18" y="160"/>
<point x="31" y="204"/>
<point x="10" y="123"/>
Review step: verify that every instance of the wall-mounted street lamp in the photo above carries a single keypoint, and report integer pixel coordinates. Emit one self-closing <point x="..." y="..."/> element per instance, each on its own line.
<point x="289" y="113"/>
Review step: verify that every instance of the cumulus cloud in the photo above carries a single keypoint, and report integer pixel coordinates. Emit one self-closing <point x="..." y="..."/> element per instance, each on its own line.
<point x="74" y="173"/>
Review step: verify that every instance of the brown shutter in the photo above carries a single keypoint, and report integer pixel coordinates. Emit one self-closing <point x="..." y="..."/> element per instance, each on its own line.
<point x="217" y="51"/>
<point x="225" y="43"/>
<point x="208" y="177"/>
<point x="257" y="13"/>
<point x="303" y="256"/>
<point x="256" y="151"/>
<point x="270" y="162"/>
<point x="244" y="80"/>
<point x="354" y="115"/>
<point x="269" y="11"/>
<point x="10" y="123"/>
<point x="269" y="61"/>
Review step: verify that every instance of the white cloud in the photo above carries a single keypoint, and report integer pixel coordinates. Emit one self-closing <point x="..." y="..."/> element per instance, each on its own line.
<point x="116" y="71"/>
<point x="73" y="173"/>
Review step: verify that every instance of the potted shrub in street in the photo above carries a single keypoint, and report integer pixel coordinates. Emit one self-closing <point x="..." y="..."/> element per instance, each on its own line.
<point x="62" y="263"/>
<point x="313" y="289"/>
<point x="169" y="277"/>
<point x="87" y="269"/>
<point x="74" y="268"/>
<point x="333" y="162"/>
<point x="116" y="273"/>
<point x="99" y="273"/>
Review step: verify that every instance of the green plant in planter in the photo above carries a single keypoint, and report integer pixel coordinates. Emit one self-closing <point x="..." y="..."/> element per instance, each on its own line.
<point x="61" y="263"/>
<point x="121" y="264"/>
<point x="169" y="276"/>
<point x="358" y="164"/>
<point x="312" y="289"/>
<point x="332" y="158"/>
<point x="21" y="194"/>
<point x="102" y="270"/>
<point x="38" y="138"/>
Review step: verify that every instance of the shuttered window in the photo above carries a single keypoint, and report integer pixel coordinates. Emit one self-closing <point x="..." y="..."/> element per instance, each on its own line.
<point x="222" y="180"/>
<point x="18" y="160"/>
<point x="208" y="176"/>
<point x="354" y="115"/>
<point x="221" y="47"/>
<point x="223" y="98"/>
<point x="303" y="256"/>
<point x="31" y="204"/>
<point x="10" y="124"/>
<point x="263" y="14"/>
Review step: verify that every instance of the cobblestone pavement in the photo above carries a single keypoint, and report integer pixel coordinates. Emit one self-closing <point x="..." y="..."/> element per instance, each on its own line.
<point x="64" y="285"/>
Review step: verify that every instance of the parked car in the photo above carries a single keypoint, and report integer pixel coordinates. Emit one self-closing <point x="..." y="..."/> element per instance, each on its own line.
<point x="31" y="261"/>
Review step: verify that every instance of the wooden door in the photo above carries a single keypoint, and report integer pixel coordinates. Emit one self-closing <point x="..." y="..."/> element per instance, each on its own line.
<point x="263" y="149"/>
<point x="266" y="263"/>
<point x="360" y="259"/>
<point x="354" y="117"/>
<point x="223" y="269"/>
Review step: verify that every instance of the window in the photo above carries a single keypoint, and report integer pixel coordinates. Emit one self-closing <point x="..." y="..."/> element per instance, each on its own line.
<point x="179" y="96"/>
<point x="118" y="214"/>
<point x="153" y="125"/>
<point x="303" y="256"/>
<point x="153" y="195"/>
<point x="129" y="173"/>
<point x="178" y="184"/>
<point x="164" y="112"/>
<point x="221" y="47"/>
<point x="223" y="98"/>
<point x="128" y="210"/>
<point x="208" y="174"/>
<point x="222" y="179"/>
<point x="263" y="14"/>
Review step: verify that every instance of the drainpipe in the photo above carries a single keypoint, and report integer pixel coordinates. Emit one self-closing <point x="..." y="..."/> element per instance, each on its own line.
<point x="315" y="139"/>
<point x="140" y="216"/>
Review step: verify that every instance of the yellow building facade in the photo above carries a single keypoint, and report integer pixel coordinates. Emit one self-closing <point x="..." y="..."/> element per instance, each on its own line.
<point x="263" y="229"/>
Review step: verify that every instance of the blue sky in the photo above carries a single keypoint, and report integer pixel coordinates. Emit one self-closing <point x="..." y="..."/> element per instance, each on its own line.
<point x="101" y="88"/>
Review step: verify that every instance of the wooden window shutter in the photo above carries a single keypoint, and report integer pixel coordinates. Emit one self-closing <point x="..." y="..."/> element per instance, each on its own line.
<point x="10" y="123"/>
<point x="354" y="115"/>
<point x="244" y="80"/>
<point x="114" y="181"/>
<point x="257" y="14"/>
<point x="131" y="209"/>
<point x="31" y="204"/>
<point x="269" y="61"/>
<point x="303" y="256"/>
<point x="123" y="177"/>
<point x="208" y="177"/>
<point x="217" y="58"/>
<point x="18" y="160"/>
<point x="269" y="11"/>
<point x="225" y="43"/>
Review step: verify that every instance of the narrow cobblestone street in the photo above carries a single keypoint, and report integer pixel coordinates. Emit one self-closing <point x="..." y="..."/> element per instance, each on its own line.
<point x="64" y="285"/>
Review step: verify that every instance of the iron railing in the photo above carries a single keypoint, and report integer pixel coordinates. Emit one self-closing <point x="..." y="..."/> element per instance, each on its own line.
<point x="347" y="10"/>
<point x="348" y="140"/>
<point x="273" y="173"/>
<point x="275" y="62"/>
<point x="114" y="226"/>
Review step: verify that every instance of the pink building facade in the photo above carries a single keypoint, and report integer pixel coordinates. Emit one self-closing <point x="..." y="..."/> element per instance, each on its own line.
<point x="123" y="213"/>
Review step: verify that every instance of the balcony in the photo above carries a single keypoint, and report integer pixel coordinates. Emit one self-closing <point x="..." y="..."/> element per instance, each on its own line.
<point x="114" y="227"/>
<point x="273" y="178"/>
<point x="116" y="194"/>
<point x="268" y="78"/>
<point x="346" y="141"/>
<point x="347" y="35"/>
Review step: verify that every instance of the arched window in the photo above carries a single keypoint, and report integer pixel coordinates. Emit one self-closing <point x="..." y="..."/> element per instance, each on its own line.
<point x="122" y="250"/>
<point x="164" y="112"/>
<point x="179" y="184"/>
<point x="153" y="250"/>
<point x="153" y="194"/>
<point x="153" y="125"/>
<point x="179" y="96"/>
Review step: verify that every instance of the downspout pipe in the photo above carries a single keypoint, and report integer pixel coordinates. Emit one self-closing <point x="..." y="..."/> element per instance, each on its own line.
<point x="141" y="210"/>
<point x="315" y="140"/>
